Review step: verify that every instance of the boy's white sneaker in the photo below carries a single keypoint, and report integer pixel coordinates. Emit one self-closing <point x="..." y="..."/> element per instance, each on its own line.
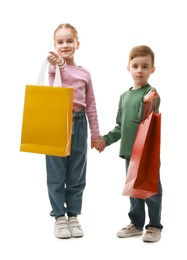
<point x="129" y="231"/>
<point x="75" y="227"/>
<point x="152" y="235"/>
<point x="61" y="228"/>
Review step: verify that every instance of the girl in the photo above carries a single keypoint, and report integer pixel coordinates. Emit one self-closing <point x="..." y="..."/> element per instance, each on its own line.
<point x="66" y="176"/>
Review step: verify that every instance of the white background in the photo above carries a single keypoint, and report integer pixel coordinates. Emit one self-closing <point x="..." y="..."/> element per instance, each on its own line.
<point x="107" y="29"/>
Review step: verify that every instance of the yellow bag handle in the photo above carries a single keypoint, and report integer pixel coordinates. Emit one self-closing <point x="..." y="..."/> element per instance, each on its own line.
<point x="41" y="77"/>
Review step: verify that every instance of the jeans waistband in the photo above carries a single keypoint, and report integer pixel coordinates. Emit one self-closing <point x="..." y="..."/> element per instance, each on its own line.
<point x="79" y="114"/>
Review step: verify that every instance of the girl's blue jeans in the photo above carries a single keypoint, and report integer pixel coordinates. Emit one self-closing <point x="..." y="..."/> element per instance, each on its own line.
<point x="66" y="176"/>
<point x="137" y="208"/>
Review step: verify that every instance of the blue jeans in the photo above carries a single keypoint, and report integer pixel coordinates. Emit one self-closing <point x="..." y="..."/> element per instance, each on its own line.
<point x="137" y="209"/>
<point x="66" y="176"/>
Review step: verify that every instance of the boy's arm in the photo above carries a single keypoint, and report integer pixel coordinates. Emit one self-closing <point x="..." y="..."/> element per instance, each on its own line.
<point x="114" y="135"/>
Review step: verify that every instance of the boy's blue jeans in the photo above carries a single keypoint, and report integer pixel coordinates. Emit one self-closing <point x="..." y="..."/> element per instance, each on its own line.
<point x="66" y="176"/>
<point x="137" y="208"/>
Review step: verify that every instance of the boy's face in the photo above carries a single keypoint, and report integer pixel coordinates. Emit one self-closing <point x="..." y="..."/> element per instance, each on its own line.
<point x="140" y="69"/>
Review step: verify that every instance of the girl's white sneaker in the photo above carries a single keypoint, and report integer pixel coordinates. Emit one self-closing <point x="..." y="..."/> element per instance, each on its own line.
<point x="61" y="228"/>
<point x="75" y="227"/>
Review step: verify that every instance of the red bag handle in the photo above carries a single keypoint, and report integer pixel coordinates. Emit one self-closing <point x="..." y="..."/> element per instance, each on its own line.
<point x="148" y="109"/>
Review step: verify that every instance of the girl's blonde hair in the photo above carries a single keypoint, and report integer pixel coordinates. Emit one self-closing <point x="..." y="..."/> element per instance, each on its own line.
<point x="141" y="50"/>
<point x="70" y="27"/>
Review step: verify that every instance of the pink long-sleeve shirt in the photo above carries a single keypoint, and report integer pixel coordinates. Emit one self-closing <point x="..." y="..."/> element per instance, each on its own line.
<point x="80" y="79"/>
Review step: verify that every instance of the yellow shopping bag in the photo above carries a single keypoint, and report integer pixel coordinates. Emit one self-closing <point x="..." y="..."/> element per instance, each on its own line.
<point x="47" y="117"/>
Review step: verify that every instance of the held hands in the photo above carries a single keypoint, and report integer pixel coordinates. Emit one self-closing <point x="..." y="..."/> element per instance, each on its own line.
<point x="54" y="59"/>
<point x="150" y="96"/>
<point x="99" y="144"/>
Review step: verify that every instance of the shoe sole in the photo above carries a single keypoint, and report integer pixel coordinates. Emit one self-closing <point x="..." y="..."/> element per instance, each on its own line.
<point x="63" y="237"/>
<point x="129" y="235"/>
<point x="150" y="241"/>
<point x="76" y="236"/>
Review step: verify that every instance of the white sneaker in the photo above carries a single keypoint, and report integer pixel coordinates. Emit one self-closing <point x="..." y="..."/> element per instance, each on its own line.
<point x="129" y="231"/>
<point x="75" y="227"/>
<point x="61" y="228"/>
<point x="152" y="235"/>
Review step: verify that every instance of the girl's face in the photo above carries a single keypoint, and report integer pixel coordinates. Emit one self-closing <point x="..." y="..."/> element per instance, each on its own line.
<point x="66" y="44"/>
<point x="140" y="69"/>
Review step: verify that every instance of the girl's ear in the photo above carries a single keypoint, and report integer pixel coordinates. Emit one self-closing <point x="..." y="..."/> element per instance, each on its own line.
<point x="128" y="68"/>
<point x="78" y="44"/>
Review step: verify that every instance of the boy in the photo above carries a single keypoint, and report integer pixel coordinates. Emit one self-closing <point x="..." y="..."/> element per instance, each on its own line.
<point x="129" y="116"/>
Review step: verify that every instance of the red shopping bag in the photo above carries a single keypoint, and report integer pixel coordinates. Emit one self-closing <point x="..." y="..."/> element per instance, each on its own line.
<point x="143" y="171"/>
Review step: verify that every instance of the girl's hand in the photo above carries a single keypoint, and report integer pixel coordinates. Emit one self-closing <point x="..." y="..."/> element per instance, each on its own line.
<point x="54" y="59"/>
<point x="150" y="96"/>
<point x="99" y="144"/>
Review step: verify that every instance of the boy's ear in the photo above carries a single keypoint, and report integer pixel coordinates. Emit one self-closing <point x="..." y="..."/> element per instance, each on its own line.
<point x="153" y="69"/>
<point x="128" y="68"/>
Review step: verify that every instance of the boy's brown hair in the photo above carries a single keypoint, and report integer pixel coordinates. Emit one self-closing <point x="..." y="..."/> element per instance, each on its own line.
<point x="141" y="50"/>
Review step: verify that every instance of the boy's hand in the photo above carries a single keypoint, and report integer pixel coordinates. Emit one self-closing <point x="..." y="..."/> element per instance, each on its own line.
<point x="99" y="144"/>
<point x="150" y="96"/>
<point x="54" y="59"/>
